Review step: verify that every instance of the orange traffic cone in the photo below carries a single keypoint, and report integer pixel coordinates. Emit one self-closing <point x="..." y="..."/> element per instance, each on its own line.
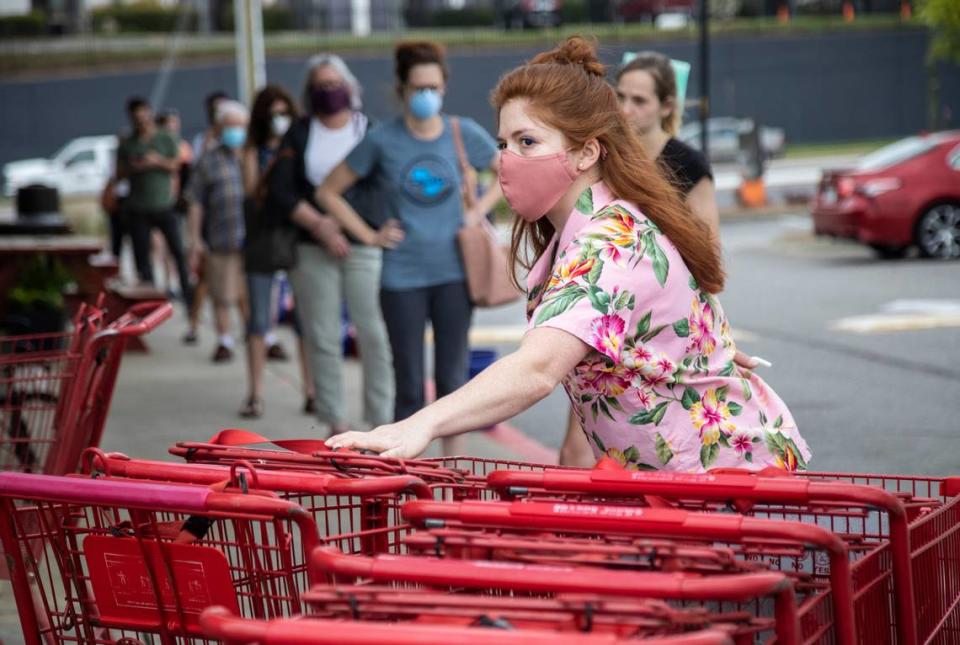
<point x="906" y="11"/>
<point x="848" y="12"/>
<point x="752" y="193"/>
<point x="783" y="14"/>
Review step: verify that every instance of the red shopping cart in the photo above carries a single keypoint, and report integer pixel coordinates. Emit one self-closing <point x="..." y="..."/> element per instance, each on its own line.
<point x="872" y="525"/>
<point x="875" y="514"/>
<point x="358" y="515"/>
<point x="55" y="389"/>
<point x="583" y="613"/>
<point x="220" y="624"/>
<point x="37" y="373"/>
<point x="518" y="579"/>
<point x="635" y="554"/>
<point x="792" y="547"/>
<point x="100" y="561"/>
<point x="303" y="454"/>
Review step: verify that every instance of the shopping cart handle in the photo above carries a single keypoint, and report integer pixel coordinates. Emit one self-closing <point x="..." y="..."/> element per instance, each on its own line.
<point x="517" y="576"/>
<point x="241" y="437"/>
<point x="218" y="623"/>
<point x="142" y="318"/>
<point x="707" y="486"/>
<point x="598" y="518"/>
<point x="386" y="485"/>
<point x="143" y="495"/>
<point x="311" y="483"/>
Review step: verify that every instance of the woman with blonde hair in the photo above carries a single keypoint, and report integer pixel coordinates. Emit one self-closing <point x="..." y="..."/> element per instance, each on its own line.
<point x="621" y="291"/>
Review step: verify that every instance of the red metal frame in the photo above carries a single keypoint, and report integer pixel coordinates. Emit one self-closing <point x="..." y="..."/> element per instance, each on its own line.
<point x="601" y="520"/>
<point x="867" y="523"/>
<point x="347" y="463"/>
<point x="37" y="374"/>
<point x="356" y="515"/>
<point x="637" y="618"/>
<point x="745" y="492"/>
<point x="218" y="623"/>
<point x="91" y="557"/>
<point x="499" y="577"/>
<point x="56" y="388"/>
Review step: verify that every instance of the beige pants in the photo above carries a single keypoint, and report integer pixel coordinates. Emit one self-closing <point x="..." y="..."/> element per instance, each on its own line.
<point x="224" y="276"/>
<point x="321" y="283"/>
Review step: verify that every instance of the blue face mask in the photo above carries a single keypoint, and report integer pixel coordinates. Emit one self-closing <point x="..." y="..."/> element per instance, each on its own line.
<point x="425" y="104"/>
<point x="233" y="136"/>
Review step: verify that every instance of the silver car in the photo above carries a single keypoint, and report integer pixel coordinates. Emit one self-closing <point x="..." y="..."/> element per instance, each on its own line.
<point x="724" y="138"/>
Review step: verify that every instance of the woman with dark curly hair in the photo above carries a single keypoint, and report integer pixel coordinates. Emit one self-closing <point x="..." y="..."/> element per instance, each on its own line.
<point x="273" y="112"/>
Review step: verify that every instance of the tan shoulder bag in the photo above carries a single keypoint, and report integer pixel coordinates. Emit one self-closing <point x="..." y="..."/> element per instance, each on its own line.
<point x="485" y="262"/>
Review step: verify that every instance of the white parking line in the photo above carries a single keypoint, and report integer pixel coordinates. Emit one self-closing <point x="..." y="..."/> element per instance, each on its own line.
<point x="904" y="315"/>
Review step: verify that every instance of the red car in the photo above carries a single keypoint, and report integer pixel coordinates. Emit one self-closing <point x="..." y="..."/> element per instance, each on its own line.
<point x="905" y="194"/>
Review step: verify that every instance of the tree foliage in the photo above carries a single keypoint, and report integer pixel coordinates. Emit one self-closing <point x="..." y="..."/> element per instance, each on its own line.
<point x="943" y="17"/>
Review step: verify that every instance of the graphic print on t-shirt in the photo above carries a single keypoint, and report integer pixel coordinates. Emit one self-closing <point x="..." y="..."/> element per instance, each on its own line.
<point x="428" y="180"/>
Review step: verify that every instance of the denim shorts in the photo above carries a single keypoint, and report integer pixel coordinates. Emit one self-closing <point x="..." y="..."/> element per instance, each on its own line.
<point x="263" y="308"/>
<point x="260" y="292"/>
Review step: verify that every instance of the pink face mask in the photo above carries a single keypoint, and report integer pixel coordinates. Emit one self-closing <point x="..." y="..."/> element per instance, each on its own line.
<point x="534" y="185"/>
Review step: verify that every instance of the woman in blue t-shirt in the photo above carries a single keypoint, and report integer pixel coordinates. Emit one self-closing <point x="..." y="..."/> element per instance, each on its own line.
<point x="414" y="160"/>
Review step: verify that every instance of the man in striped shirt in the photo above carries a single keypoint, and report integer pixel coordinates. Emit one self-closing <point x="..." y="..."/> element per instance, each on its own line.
<point x="216" y="220"/>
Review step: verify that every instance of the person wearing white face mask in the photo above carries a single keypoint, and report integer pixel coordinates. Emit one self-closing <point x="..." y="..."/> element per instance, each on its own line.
<point x="216" y="223"/>
<point x="621" y="295"/>
<point x="273" y="112"/>
<point x="415" y="158"/>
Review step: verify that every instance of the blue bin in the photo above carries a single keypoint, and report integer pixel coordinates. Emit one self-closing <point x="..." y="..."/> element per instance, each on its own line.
<point x="480" y="359"/>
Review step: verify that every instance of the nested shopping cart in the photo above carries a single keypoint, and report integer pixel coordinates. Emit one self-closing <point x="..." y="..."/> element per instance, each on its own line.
<point x="37" y="372"/>
<point x="894" y="516"/>
<point x="358" y="515"/>
<point x="770" y="594"/>
<point x="231" y="445"/>
<point x="220" y="624"/>
<point x="808" y="553"/>
<point x="885" y="520"/>
<point x="55" y="389"/>
<point x="100" y="561"/>
<point x="348" y="522"/>
<point x="562" y="612"/>
<point x="881" y="524"/>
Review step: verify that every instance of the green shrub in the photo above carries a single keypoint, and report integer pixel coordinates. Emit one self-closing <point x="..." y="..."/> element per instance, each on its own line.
<point x="471" y="17"/>
<point x="32" y="24"/>
<point x="141" y="17"/>
<point x="574" y="12"/>
<point x="274" y="19"/>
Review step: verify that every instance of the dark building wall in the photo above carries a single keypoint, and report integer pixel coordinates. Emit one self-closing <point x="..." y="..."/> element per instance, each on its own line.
<point x="832" y="87"/>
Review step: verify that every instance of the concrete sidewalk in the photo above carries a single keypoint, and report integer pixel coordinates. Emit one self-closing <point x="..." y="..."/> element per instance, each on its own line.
<point x="175" y="393"/>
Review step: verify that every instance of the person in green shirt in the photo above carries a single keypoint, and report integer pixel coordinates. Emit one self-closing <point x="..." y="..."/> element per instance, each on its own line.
<point x="149" y="158"/>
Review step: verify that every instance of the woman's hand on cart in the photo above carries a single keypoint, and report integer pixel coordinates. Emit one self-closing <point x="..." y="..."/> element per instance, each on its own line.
<point x="403" y="440"/>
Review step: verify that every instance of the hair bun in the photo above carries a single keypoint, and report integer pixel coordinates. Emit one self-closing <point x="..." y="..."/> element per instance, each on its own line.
<point x="575" y="50"/>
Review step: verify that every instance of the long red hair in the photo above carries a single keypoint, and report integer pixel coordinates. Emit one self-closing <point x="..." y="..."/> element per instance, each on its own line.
<point x="568" y="91"/>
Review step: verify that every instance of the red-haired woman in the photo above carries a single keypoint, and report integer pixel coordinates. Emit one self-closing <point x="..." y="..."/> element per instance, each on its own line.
<point x="621" y="295"/>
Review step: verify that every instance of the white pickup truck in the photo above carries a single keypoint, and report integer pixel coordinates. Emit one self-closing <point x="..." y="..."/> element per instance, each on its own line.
<point x="80" y="167"/>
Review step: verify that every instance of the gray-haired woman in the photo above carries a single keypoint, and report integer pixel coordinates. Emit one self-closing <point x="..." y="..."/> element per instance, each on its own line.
<point x="331" y="267"/>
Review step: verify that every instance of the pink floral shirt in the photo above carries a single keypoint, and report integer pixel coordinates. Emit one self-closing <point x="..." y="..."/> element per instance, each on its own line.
<point x="660" y="389"/>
